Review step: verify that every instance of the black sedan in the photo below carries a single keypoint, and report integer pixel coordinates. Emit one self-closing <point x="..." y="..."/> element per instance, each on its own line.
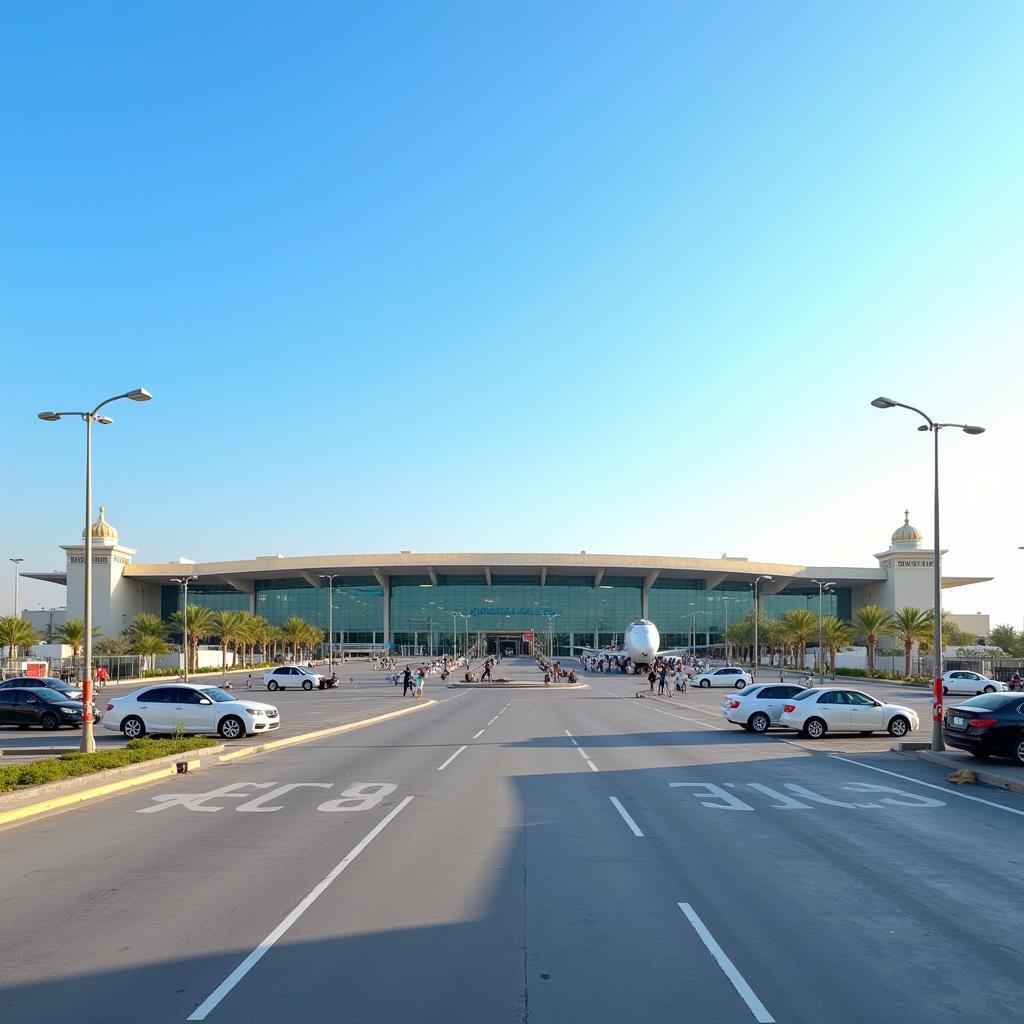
<point x="990" y="724"/>
<point x="29" y="706"/>
<point x="44" y="682"/>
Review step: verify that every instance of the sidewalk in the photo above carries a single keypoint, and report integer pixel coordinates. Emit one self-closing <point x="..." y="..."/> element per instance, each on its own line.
<point x="999" y="773"/>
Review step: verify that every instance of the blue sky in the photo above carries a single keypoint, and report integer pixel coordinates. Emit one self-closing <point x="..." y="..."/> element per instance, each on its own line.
<point x="531" y="276"/>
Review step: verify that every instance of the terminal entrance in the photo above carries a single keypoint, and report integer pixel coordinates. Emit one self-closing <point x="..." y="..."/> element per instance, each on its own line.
<point x="508" y="644"/>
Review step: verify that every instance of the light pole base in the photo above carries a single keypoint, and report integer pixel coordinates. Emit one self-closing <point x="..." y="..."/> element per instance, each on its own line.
<point x="88" y="744"/>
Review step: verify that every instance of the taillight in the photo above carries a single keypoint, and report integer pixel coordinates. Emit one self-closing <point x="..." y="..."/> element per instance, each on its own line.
<point x="982" y="723"/>
<point x="110" y="707"/>
<point x="789" y="707"/>
<point x="734" y="703"/>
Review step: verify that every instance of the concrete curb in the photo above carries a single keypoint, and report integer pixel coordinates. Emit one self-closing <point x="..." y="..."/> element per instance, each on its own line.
<point x="333" y="730"/>
<point x="498" y="684"/>
<point x="19" y="806"/>
<point x="985" y="775"/>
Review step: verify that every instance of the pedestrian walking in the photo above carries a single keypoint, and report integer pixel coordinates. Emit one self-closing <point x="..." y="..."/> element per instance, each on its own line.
<point x="406" y="681"/>
<point x="420" y="679"/>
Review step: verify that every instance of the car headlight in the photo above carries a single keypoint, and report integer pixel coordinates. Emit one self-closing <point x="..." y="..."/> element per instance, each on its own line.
<point x="256" y="711"/>
<point x="70" y="711"/>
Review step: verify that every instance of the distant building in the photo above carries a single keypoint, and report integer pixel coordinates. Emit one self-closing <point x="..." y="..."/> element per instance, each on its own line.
<point x="419" y="600"/>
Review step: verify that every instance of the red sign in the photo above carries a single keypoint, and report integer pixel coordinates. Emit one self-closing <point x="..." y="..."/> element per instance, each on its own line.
<point x="528" y="635"/>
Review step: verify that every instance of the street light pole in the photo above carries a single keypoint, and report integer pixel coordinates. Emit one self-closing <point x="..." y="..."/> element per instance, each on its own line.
<point x="183" y="582"/>
<point x="929" y="424"/>
<point x="757" y="616"/>
<point x="330" y="617"/>
<point x="822" y="588"/>
<point x="725" y="635"/>
<point x="17" y="562"/>
<point x="88" y="744"/>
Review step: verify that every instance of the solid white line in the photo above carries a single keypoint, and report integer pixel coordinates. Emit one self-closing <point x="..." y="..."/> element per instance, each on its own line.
<point x="949" y="791"/>
<point x="212" y="1001"/>
<point x="756" y="1007"/>
<point x="593" y="767"/>
<point x="479" y="734"/>
<point x="452" y="758"/>
<point x="493" y="720"/>
<point x="582" y="753"/>
<point x="633" y="826"/>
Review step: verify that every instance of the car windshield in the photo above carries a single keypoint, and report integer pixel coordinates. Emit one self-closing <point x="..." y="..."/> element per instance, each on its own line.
<point x="50" y="696"/>
<point x="803" y="694"/>
<point x="217" y="694"/>
<point x="750" y="691"/>
<point x="991" y="701"/>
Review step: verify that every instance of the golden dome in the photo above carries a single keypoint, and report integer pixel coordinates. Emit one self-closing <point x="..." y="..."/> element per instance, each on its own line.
<point x="101" y="529"/>
<point x="907" y="534"/>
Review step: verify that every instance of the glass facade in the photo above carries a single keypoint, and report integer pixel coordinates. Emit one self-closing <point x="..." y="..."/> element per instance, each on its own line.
<point x="575" y="611"/>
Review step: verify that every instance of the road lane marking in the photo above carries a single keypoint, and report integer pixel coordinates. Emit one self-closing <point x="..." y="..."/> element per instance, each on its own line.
<point x="627" y="818"/>
<point x="931" y="785"/>
<point x="479" y="734"/>
<point x="213" y="1000"/>
<point x="492" y="721"/>
<point x="452" y="758"/>
<point x="593" y="767"/>
<point x="756" y="1007"/>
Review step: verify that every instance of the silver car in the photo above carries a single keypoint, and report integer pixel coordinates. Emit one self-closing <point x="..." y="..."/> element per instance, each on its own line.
<point x="758" y="707"/>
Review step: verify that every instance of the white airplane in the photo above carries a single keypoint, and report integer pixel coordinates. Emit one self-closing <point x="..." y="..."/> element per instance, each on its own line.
<point x="642" y="642"/>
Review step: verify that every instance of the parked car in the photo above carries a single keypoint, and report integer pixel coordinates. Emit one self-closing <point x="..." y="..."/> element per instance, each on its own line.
<point x="294" y="675"/>
<point x="819" y="710"/>
<point x="727" y="675"/>
<point x="193" y="709"/>
<point x="992" y="724"/>
<point x="33" y="705"/>
<point x="69" y="690"/>
<point x="758" y="707"/>
<point x="962" y="681"/>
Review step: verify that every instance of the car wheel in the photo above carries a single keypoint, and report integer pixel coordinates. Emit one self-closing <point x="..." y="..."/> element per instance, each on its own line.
<point x="990" y="689"/>
<point x="231" y="728"/>
<point x="740" y="684"/>
<point x="133" y="727"/>
<point x="899" y="726"/>
<point x="705" y="683"/>
<point x="272" y="685"/>
<point x="815" y="728"/>
<point x="759" y="722"/>
<point x="307" y="684"/>
<point x="945" y="690"/>
<point x="1018" y="752"/>
<point x="49" y="721"/>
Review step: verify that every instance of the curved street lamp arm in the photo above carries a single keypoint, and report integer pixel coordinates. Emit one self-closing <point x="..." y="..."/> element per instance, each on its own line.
<point x="932" y="425"/>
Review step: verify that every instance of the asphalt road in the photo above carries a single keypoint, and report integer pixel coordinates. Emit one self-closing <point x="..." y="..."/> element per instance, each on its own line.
<point x="525" y="856"/>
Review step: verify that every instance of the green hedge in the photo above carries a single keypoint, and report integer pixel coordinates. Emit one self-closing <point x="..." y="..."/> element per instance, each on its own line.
<point x="152" y="673"/>
<point x="53" y="769"/>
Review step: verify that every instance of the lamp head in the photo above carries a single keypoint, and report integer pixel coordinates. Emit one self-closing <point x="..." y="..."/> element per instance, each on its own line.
<point x="974" y="430"/>
<point x="139" y="395"/>
<point x="924" y="427"/>
<point x="767" y="577"/>
<point x="883" y="403"/>
<point x="50" y="417"/>
<point x="105" y="420"/>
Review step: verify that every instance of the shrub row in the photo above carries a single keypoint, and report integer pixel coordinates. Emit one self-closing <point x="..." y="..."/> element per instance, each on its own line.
<point x="895" y="677"/>
<point x="53" y="769"/>
<point x="151" y="673"/>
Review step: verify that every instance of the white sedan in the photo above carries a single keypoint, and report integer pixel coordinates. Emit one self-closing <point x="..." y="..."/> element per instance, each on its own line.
<point x="962" y="681"/>
<point x="727" y="675"/>
<point x="284" y="676"/>
<point x="820" y="709"/>
<point x="759" y="707"/>
<point x="192" y="709"/>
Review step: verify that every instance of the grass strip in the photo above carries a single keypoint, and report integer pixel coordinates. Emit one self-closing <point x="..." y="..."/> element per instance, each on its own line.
<point x="73" y="763"/>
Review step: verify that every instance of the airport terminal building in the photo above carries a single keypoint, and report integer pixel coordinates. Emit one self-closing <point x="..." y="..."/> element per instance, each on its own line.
<point x="421" y="601"/>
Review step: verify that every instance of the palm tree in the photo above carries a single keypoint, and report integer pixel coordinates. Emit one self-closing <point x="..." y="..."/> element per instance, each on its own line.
<point x="72" y="633"/>
<point x="225" y="626"/>
<point x="771" y="633"/>
<point x="834" y="634"/>
<point x="295" y="632"/>
<point x="149" y="646"/>
<point x="197" y="627"/>
<point x="741" y="635"/>
<point x="910" y="626"/>
<point x="16" y="632"/>
<point x="872" y="623"/>
<point x="799" y="626"/>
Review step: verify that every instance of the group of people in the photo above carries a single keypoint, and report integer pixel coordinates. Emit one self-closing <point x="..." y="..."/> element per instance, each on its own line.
<point x="414" y="681"/>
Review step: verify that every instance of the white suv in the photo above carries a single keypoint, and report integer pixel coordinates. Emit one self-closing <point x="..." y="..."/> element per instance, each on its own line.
<point x="727" y="675"/>
<point x="284" y="676"/>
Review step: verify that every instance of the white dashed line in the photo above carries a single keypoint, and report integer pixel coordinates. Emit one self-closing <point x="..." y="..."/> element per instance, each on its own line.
<point x="452" y="758"/>
<point x="479" y="734"/>
<point x="756" y="1007"/>
<point x="212" y="1001"/>
<point x="627" y="818"/>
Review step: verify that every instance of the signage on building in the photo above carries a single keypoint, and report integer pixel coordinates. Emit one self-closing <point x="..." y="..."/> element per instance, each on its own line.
<point x="513" y="611"/>
<point x="914" y="563"/>
<point x="528" y="635"/>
